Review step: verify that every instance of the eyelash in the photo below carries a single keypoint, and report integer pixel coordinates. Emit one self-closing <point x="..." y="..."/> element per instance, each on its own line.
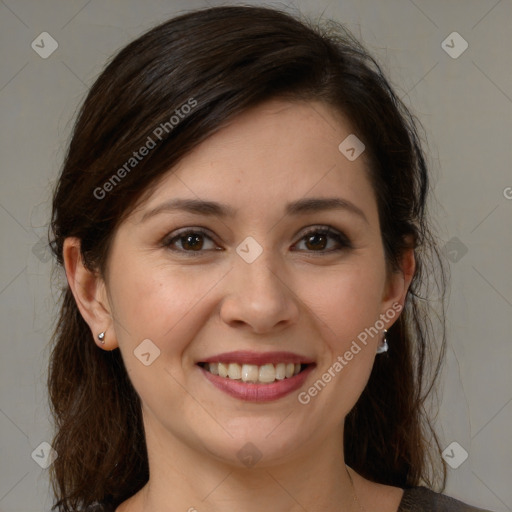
<point x="339" y="237"/>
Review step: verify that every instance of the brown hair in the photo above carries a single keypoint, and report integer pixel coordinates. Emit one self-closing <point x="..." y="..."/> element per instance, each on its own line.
<point x="227" y="59"/>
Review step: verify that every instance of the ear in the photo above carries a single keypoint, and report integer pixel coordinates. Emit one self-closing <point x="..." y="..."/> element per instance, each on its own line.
<point x="398" y="282"/>
<point x="90" y="293"/>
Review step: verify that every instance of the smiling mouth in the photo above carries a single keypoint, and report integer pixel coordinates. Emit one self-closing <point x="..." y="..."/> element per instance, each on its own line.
<point x="254" y="374"/>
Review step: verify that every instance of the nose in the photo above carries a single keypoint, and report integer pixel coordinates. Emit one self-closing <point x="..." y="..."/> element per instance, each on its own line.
<point x="259" y="298"/>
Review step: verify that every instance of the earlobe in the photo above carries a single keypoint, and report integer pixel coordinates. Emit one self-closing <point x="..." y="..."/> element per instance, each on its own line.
<point x="89" y="291"/>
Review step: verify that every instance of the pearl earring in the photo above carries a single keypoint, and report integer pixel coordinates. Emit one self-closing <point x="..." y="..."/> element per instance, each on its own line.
<point x="101" y="337"/>
<point x="383" y="347"/>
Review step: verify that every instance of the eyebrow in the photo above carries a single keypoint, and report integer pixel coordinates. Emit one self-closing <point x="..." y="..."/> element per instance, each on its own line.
<point x="214" y="209"/>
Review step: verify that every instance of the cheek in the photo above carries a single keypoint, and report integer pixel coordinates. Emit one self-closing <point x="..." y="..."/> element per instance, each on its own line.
<point x="162" y="304"/>
<point x="346" y="308"/>
<point x="159" y="302"/>
<point x="346" y="301"/>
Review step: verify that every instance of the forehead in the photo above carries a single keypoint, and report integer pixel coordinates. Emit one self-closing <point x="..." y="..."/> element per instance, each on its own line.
<point x="271" y="154"/>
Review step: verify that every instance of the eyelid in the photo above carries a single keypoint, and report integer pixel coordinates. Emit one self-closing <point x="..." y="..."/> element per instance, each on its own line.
<point x="176" y="234"/>
<point x="189" y="229"/>
<point x="334" y="233"/>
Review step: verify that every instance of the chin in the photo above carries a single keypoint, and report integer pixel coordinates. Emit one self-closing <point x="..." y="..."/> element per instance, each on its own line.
<point x="263" y="442"/>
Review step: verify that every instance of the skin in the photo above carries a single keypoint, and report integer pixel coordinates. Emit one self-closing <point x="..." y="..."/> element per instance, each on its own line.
<point x="295" y="296"/>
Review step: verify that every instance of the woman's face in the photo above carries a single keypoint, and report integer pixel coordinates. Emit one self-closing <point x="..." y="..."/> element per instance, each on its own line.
<point x="256" y="276"/>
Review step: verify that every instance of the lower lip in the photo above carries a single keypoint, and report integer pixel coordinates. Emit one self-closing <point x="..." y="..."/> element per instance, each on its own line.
<point x="251" y="392"/>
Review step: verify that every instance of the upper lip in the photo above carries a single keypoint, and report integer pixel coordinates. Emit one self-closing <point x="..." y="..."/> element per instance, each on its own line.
<point x="258" y="358"/>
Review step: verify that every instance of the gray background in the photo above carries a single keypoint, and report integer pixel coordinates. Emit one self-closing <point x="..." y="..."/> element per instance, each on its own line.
<point x="465" y="104"/>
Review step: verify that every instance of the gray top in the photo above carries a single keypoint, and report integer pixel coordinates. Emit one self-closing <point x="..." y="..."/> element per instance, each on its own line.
<point x="421" y="499"/>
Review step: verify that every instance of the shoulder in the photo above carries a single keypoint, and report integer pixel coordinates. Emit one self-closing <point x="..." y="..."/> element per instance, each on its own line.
<point x="421" y="499"/>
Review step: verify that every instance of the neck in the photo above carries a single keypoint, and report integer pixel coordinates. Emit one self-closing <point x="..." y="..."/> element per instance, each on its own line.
<point x="187" y="478"/>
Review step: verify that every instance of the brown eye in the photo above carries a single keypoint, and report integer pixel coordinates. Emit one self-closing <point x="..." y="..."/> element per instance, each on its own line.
<point x="317" y="240"/>
<point x="193" y="241"/>
<point x="190" y="240"/>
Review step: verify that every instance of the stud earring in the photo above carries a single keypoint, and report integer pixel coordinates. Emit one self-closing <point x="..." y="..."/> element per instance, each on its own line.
<point x="383" y="347"/>
<point x="101" y="337"/>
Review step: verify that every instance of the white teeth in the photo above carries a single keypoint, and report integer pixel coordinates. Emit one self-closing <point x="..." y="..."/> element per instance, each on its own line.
<point x="223" y="370"/>
<point x="234" y="371"/>
<point x="266" y="373"/>
<point x="250" y="373"/>
<point x="280" y="371"/>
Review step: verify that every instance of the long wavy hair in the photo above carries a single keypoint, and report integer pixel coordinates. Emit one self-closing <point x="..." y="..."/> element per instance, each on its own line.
<point x="229" y="59"/>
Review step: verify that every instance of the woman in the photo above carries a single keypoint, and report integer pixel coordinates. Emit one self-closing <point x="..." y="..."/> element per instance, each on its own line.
<point x="242" y="221"/>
